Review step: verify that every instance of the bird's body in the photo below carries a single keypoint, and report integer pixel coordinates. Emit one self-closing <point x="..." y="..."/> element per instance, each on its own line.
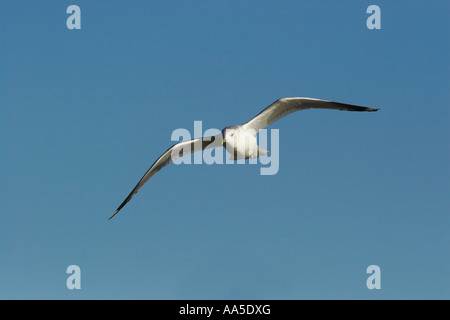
<point x="240" y="141"/>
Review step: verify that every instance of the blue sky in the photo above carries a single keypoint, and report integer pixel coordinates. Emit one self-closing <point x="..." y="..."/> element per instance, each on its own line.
<point x="84" y="113"/>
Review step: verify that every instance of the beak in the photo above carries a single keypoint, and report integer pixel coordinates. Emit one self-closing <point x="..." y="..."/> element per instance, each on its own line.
<point x="224" y="141"/>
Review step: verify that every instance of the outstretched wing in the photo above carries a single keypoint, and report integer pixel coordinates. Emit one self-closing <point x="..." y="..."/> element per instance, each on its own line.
<point x="285" y="106"/>
<point x="176" y="151"/>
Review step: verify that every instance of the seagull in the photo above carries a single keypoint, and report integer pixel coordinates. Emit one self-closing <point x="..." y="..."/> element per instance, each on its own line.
<point x="240" y="141"/>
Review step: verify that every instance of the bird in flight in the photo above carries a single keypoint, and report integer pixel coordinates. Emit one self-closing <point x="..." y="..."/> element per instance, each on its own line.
<point x="240" y="141"/>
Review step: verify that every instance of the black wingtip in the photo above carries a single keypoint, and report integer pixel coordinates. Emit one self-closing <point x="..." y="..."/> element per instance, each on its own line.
<point x="123" y="203"/>
<point x="113" y="214"/>
<point x="366" y="109"/>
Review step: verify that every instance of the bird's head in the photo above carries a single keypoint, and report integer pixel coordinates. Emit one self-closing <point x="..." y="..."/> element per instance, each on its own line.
<point x="228" y="134"/>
